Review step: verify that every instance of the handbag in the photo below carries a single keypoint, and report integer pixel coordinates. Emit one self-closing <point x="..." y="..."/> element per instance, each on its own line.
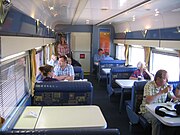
<point x="159" y="112"/>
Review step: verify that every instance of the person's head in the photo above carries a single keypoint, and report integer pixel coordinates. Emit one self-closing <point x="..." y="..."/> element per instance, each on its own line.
<point x="161" y="77"/>
<point x="106" y="53"/>
<point x="53" y="57"/>
<point x="62" y="39"/>
<point x="63" y="61"/>
<point x="177" y="91"/>
<point x="69" y="60"/>
<point x="46" y="70"/>
<point x="141" y="65"/>
<point x="100" y="51"/>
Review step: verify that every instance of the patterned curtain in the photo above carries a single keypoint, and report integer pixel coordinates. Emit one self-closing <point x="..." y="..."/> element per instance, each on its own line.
<point x="33" y="70"/>
<point x="126" y="53"/>
<point x="50" y="50"/>
<point x="147" y="51"/>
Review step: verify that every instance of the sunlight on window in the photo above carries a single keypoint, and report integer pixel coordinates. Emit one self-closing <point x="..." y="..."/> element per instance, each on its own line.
<point x="136" y="54"/>
<point x="169" y="63"/>
<point x="120" y="52"/>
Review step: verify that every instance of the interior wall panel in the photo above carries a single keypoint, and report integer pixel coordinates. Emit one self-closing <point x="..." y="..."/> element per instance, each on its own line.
<point x="11" y="45"/>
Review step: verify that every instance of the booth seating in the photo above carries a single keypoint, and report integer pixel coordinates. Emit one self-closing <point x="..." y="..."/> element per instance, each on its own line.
<point x="110" y="131"/>
<point x="133" y="106"/>
<point x="63" y="93"/>
<point x="118" y="73"/>
<point x="79" y="73"/>
<point x="108" y="64"/>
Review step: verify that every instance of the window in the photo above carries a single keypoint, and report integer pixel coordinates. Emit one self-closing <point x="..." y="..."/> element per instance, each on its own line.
<point x="120" y="49"/>
<point x="136" y="54"/>
<point x="13" y="86"/>
<point x="39" y="60"/>
<point x="165" y="59"/>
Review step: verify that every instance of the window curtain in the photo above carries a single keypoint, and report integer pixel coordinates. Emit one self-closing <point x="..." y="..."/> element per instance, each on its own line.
<point x="147" y="51"/>
<point x="33" y="70"/>
<point x="44" y="55"/>
<point x="126" y="53"/>
<point x="55" y="48"/>
<point x="50" y="50"/>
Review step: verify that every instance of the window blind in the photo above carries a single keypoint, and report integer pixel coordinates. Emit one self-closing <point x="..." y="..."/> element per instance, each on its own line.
<point x="12" y="85"/>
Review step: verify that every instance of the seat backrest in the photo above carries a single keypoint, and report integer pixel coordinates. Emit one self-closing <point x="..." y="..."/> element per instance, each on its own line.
<point x="112" y="131"/>
<point x="137" y="95"/>
<point x="63" y="93"/>
<point x="108" y="64"/>
<point x="174" y="84"/>
<point x="79" y="73"/>
<point x="111" y="63"/>
<point x="120" y="73"/>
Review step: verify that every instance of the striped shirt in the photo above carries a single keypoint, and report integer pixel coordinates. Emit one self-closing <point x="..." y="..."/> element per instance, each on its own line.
<point x="151" y="89"/>
<point x="68" y="70"/>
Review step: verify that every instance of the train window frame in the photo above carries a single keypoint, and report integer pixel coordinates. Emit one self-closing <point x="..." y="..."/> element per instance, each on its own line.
<point x="169" y="55"/>
<point x="120" y="49"/>
<point x="14" y="86"/>
<point x="133" y="51"/>
<point x="39" y="59"/>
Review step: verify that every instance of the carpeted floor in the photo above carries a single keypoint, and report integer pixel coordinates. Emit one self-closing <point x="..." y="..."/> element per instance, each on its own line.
<point x="110" y="107"/>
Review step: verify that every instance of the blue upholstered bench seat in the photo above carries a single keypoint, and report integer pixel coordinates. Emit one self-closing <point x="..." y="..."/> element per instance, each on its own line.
<point x="63" y="93"/>
<point x="110" y="131"/>
<point x="108" y="64"/>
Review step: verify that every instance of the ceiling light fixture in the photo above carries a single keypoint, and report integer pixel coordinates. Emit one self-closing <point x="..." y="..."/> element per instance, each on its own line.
<point x="51" y="8"/>
<point x="87" y="21"/>
<point x="156" y="12"/>
<point x="104" y="8"/>
<point x="134" y="18"/>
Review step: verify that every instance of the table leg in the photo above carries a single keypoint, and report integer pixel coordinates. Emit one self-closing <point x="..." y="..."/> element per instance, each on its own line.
<point x="121" y="100"/>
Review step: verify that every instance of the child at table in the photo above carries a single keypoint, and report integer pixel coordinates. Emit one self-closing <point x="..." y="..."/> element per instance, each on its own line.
<point x="177" y="92"/>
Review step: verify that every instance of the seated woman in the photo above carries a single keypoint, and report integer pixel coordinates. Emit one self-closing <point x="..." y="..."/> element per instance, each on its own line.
<point x="47" y="73"/>
<point x="141" y="72"/>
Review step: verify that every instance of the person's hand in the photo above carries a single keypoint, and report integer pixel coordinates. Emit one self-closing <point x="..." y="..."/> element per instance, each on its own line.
<point x="145" y="69"/>
<point x="167" y="89"/>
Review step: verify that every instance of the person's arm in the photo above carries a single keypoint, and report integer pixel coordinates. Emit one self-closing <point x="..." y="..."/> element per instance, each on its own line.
<point x="133" y="76"/>
<point x="61" y="77"/>
<point x="96" y="59"/>
<point x="151" y="98"/>
<point x="149" y="74"/>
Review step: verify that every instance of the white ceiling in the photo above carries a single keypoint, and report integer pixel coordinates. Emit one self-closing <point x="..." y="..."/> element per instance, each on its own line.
<point x="76" y="12"/>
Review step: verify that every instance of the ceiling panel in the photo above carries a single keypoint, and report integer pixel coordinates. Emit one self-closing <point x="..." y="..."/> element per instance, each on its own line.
<point x="76" y="12"/>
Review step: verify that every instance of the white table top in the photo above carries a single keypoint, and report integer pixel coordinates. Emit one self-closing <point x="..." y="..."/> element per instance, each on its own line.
<point x="89" y="116"/>
<point x="169" y="121"/>
<point x="125" y="83"/>
<point x="106" y="70"/>
<point x="26" y="120"/>
<point x="71" y="117"/>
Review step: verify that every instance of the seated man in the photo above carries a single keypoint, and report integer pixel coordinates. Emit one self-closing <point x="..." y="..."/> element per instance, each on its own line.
<point x="63" y="71"/>
<point x="107" y="57"/>
<point x="155" y="92"/>
<point x="97" y="58"/>
<point x="141" y="72"/>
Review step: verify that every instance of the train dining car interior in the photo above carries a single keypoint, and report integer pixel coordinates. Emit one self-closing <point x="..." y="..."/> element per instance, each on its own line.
<point x="102" y="44"/>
